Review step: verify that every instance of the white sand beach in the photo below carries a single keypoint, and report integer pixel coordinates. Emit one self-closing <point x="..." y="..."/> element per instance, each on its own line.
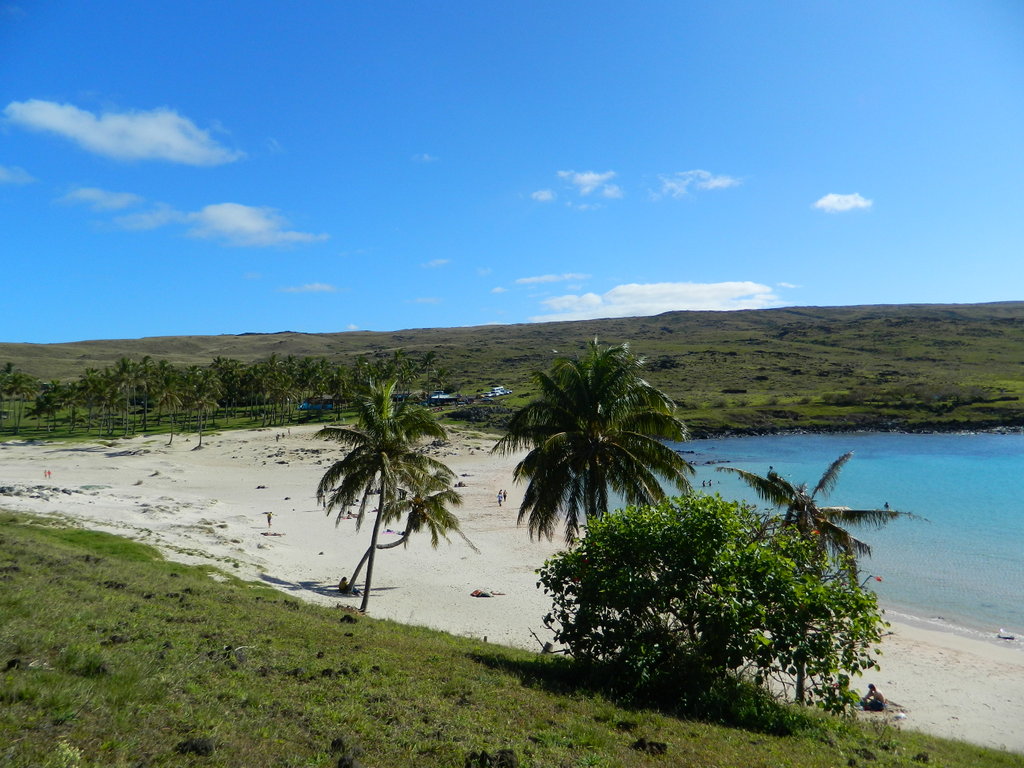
<point x="209" y="505"/>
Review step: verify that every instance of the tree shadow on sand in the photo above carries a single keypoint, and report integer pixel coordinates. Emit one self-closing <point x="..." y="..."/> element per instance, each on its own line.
<point x="317" y="587"/>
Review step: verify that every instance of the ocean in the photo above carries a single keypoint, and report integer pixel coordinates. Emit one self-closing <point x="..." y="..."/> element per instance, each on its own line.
<point x="961" y="567"/>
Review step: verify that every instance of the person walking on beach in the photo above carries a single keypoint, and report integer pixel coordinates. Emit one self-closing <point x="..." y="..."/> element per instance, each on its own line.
<point x="269" y="516"/>
<point x="501" y="497"/>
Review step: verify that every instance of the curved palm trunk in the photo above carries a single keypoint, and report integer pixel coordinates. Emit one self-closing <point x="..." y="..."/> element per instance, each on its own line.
<point x="372" y="551"/>
<point x="366" y="555"/>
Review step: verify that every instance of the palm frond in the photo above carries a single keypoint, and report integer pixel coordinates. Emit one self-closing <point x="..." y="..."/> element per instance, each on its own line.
<point x="831" y="477"/>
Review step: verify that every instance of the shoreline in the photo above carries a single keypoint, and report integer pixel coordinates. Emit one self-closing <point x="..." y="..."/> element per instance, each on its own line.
<point x="740" y="432"/>
<point x="209" y="505"/>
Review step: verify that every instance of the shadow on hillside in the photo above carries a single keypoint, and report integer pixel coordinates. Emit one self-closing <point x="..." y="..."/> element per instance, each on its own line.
<point x="555" y="674"/>
<point x="688" y="694"/>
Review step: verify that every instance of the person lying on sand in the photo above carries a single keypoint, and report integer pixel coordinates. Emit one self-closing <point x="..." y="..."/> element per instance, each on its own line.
<point x="874" y="701"/>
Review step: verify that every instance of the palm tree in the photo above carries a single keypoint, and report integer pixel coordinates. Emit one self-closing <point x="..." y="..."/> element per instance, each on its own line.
<point x="596" y="426"/>
<point x="21" y="387"/>
<point x="127" y="376"/>
<point x="382" y="456"/>
<point x="427" y="507"/>
<point x="200" y="389"/>
<point x="824" y="525"/>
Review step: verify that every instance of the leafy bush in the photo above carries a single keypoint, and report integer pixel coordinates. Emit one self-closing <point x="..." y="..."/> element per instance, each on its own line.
<point x="678" y="601"/>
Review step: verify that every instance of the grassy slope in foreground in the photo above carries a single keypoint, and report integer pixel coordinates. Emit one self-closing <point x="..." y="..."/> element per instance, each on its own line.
<point x="115" y="658"/>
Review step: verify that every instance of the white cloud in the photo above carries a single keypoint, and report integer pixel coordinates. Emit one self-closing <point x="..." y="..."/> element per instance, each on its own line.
<point x="833" y="203"/>
<point x="435" y="263"/>
<point x="424" y="158"/>
<point x="612" y="190"/>
<point x="551" y="278"/>
<point x="101" y="199"/>
<point x="588" y="181"/>
<point x="246" y="226"/>
<point x="543" y="195"/>
<point x="351" y="327"/>
<point x="427" y="300"/>
<point x="635" y="299"/>
<point x="309" y="288"/>
<point x="252" y="276"/>
<point x="678" y="184"/>
<point x="12" y="174"/>
<point x="161" y="215"/>
<point x="232" y="223"/>
<point x="787" y="285"/>
<point x="483" y="271"/>
<point x="160" y="134"/>
<point x="498" y="289"/>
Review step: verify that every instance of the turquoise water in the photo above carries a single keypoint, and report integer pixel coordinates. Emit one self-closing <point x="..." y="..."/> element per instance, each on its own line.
<point x="963" y="567"/>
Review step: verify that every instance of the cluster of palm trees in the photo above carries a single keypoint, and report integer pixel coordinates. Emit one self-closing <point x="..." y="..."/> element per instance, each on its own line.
<point x="137" y="395"/>
<point x="596" y="428"/>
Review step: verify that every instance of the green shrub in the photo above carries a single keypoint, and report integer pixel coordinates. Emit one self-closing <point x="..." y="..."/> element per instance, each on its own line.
<point x="674" y="602"/>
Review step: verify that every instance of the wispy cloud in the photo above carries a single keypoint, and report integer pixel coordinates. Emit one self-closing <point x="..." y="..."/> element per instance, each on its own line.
<point x="231" y="223"/>
<point x="351" y="327"/>
<point x="551" y="278"/>
<point x="158" y="216"/>
<point x="245" y="225"/>
<point x="587" y="182"/>
<point x="498" y="289"/>
<point x="435" y="263"/>
<point x="423" y="157"/>
<point x="679" y="184"/>
<point x="101" y="199"/>
<point x="12" y="174"/>
<point x="309" y="288"/>
<point x="427" y="300"/>
<point x="833" y="203"/>
<point x="159" y="134"/>
<point x="635" y="300"/>
<point x="543" y="195"/>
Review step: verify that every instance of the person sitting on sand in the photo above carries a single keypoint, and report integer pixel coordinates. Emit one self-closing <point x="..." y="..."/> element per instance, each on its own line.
<point x="874" y="701"/>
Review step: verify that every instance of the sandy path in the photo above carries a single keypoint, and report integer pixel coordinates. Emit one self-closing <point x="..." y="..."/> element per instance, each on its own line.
<point x="210" y="504"/>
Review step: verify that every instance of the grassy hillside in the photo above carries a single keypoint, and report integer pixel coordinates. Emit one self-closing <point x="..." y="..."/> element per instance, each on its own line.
<point x="901" y="366"/>
<point x="114" y="658"/>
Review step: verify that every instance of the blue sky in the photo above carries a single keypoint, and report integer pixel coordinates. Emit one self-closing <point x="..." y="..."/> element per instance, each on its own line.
<point x="211" y="167"/>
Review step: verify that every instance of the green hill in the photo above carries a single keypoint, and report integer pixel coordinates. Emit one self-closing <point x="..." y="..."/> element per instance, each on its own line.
<point x="900" y="366"/>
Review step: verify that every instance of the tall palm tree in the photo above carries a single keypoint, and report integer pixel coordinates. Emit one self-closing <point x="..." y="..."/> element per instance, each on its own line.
<point x="127" y="375"/>
<point x="382" y="456"/>
<point x="822" y="524"/>
<point x="200" y="389"/>
<point x="20" y="387"/>
<point x="596" y="426"/>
